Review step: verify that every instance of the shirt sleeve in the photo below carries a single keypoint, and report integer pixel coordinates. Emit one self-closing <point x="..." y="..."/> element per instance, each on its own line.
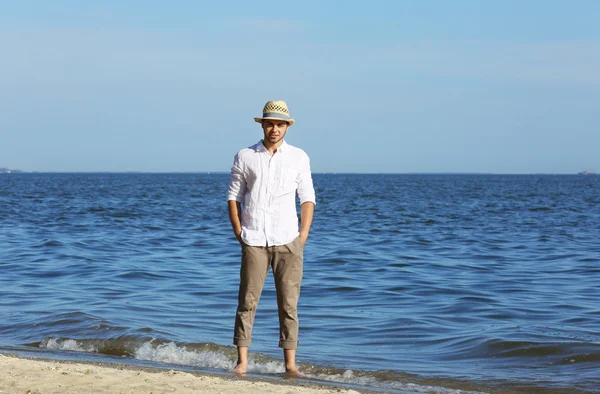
<point x="306" y="191"/>
<point x="237" y="182"/>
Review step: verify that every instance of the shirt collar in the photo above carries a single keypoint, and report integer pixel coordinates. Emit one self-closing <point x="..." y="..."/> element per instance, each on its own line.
<point x="260" y="147"/>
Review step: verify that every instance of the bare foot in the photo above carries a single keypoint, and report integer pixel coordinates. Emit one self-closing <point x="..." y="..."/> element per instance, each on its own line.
<point x="292" y="373"/>
<point x="242" y="362"/>
<point x="240" y="369"/>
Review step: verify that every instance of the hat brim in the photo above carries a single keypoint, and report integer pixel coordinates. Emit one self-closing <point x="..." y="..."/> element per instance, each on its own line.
<point x="259" y="120"/>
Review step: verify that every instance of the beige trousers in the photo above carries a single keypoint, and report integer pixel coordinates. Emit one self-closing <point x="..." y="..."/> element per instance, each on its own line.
<point x="286" y="261"/>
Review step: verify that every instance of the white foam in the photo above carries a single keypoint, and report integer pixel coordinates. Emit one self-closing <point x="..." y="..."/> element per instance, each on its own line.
<point x="349" y="377"/>
<point x="266" y="368"/>
<point x="173" y="354"/>
<point x="346" y="377"/>
<point x="69" y="344"/>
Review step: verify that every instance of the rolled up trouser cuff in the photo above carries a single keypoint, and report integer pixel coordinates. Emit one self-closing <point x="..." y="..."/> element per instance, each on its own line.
<point x="287" y="344"/>
<point x="242" y="342"/>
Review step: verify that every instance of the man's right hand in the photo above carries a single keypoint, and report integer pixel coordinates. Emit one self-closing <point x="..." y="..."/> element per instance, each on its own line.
<point x="238" y="235"/>
<point x="235" y="216"/>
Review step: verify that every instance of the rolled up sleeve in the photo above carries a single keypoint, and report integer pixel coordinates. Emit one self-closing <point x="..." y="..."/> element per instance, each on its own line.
<point x="237" y="183"/>
<point x="306" y="191"/>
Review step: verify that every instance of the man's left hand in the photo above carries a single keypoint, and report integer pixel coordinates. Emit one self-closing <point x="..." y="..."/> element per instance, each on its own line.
<point x="303" y="237"/>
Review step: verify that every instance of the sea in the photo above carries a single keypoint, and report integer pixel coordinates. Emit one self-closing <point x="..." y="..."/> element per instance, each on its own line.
<point x="413" y="283"/>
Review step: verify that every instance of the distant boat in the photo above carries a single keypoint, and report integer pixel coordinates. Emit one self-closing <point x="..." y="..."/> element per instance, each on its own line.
<point x="587" y="172"/>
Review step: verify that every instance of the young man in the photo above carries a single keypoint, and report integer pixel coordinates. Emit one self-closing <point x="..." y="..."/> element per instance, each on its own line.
<point x="264" y="180"/>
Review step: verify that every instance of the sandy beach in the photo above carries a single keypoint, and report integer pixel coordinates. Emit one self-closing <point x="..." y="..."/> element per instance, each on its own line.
<point x="36" y="376"/>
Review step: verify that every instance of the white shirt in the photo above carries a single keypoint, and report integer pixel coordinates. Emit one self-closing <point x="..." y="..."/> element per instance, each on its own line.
<point x="266" y="185"/>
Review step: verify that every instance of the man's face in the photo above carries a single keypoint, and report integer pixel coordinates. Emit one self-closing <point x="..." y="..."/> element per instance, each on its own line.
<point x="274" y="130"/>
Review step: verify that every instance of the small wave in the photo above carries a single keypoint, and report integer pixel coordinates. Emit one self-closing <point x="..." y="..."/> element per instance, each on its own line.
<point x="67" y="344"/>
<point x="48" y="244"/>
<point x="589" y="260"/>
<point x="363" y="378"/>
<point x="540" y="209"/>
<point x="139" y="275"/>
<point x="347" y="376"/>
<point x="172" y="354"/>
<point x="213" y="356"/>
<point x="558" y="352"/>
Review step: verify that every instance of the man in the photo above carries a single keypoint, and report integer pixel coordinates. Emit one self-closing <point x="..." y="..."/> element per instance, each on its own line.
<point x="262" y="209"/>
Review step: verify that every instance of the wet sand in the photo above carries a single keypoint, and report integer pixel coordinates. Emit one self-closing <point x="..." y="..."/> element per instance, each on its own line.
<point x="42" y="376"/>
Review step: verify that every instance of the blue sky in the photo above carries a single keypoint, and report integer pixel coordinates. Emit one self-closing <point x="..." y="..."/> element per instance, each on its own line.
<point x="379" y="86"/>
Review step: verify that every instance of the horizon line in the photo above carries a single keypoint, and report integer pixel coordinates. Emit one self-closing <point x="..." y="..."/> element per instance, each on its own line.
<point x="313" y="172"/>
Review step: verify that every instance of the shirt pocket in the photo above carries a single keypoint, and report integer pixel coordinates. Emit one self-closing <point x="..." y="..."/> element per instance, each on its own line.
<point x="288" y="181"/>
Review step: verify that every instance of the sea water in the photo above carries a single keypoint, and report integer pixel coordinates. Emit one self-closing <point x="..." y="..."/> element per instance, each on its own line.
<point x="421" y="283"/>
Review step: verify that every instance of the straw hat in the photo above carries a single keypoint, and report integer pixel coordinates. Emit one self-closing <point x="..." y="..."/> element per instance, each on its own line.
<point x="276" y="110"/>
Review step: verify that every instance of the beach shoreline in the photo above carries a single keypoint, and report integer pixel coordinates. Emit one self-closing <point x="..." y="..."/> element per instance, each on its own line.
<point x="20" y="374"/>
